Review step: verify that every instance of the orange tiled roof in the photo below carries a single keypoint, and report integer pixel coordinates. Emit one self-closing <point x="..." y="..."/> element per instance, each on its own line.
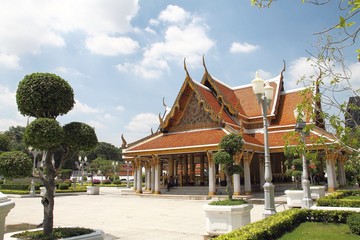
<point x="181" y="140"/>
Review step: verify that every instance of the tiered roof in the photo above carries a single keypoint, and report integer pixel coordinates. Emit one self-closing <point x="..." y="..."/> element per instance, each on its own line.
<point x="205" y="112"/>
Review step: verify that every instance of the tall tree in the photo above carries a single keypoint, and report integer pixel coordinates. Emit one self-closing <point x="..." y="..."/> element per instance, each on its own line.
<point x="16" y="138"/>
<point x="46" y="96"/>
<point x="106" y="151"/>
<point x="230" y="145"/>
<point x="4" y="143"/>
<point x="15" y="164"/>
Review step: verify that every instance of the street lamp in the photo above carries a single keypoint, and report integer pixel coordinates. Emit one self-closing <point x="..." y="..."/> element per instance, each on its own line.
<point x="114" y="163"/>
<point x="264" y="95"/>
<point x="306" y="202"/>
<point x="80" y="165"/>
<point x="34" y="153"/>
<point x="127" y="173"/>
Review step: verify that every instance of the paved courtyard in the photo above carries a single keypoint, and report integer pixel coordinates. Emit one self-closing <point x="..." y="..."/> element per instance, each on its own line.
<point x="124" y="216"/>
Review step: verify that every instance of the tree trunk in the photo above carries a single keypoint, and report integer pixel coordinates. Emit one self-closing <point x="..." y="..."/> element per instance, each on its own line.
<point x="48" y="199"/>
<point x="229" y="188"/>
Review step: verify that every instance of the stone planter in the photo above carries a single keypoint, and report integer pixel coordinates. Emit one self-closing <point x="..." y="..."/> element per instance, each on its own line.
<point x="224" y="219"/>
<point x="317" y="192"/>
<point x="97" y="235"/>
<point x="92" y="190"/>
<point x="294" y="197"/>
<point x="5" y="206"/>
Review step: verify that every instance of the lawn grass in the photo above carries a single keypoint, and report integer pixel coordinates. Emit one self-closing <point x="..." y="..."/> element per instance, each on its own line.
<point x="319" y="231"/>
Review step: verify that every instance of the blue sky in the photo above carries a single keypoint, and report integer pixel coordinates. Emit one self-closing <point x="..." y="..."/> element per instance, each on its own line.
<point x="122" y="57"/>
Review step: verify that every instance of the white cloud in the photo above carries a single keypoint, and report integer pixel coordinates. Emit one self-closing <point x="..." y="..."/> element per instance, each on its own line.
<point x="96" y="124"/>
<point x="298" y="69"/>
<point x="142" y="123"/>
<point x="9" y="61"/>
<point x="186" y="36"/>
<point x="7" y="98"/>
<point x="28" y="25"/>
<point x="242" y="47"/>
<point x="120" y="108"/>
<point x="355" y="75"/>
<point x="70" y="71"/>
<point x="150" y="30"/>
<point x="83" y="108"/>
<point x="173" y="14"/>
<point x="111" y="46"/>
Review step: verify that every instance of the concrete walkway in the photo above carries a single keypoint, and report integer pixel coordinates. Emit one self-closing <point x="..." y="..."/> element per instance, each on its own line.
<point x="128" y="216"/>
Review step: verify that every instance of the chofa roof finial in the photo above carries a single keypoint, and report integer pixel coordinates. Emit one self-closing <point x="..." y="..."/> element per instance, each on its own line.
<point x="203" y="60"/>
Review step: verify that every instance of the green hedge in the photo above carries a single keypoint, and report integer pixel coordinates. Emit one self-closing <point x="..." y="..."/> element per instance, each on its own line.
<point x="278" y="224"/>
<point x="18" y="186"/>
<point x="337" y="199"/>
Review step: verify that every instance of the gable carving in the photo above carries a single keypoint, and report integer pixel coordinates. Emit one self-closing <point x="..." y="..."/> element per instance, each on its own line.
<point x="193" y="117"/>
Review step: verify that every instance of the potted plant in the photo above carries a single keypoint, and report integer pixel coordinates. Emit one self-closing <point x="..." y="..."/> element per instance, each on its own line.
<point x="226" y="215"/>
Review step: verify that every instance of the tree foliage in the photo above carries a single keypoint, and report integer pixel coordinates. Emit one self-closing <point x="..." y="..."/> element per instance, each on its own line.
<point x="16" y="135"/>
<point x="101" y="165"/>
<point x="79" y="136"/>
<point x="106" y="151"/>
<point x="4" y="143"/>
<point x="230" y="145"/>
<point x="44" y="95"/>
<point x="44" y="134"/>
<point x="15" y="164"/>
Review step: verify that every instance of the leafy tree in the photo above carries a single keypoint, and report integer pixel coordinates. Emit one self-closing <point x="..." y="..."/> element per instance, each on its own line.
<point x="101" y="165"/>
<point x="4" y="143"/>
<point x="15" y="164"/>
<point x="15" y="135"/>
<point x="46" y="96"/>
<point x="106" y="151"/>
<point x="230" y="144"/>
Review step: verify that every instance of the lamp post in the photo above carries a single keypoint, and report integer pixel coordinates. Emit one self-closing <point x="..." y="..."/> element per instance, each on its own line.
<point x="81" y="164"/>
<point x="127" y="173"/>
<point x="264" y="96"/>
<point x="306" y="202"/>
<point x="114" y="163"/>
<point x="34" y="153"/>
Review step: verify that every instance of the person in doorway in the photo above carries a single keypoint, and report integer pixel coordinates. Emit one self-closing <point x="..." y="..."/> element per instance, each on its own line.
<point x="170" y="183"/>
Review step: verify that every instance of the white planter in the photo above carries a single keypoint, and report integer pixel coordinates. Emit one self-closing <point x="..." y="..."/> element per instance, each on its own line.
<point x="317" y="192"/>
<point x="97" y="235"/>
<point x="92" y="190"/>
<point x="294" y="197"/>
<point x="224" y="219"/>
<point x="5" y="206"/>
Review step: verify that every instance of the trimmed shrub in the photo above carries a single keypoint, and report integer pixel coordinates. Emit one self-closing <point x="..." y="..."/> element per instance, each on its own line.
<point x="96" y="181"/>
<point x="228" y="202"/>
<point x="106" y="181"/>
<point x="354" y="223"/>
<point x="117" y="182"/>
<point x="15" y="186"/>
<point x="63" y="186"/>
<point x="84" y="178"/>
<point x="67" y="181"/>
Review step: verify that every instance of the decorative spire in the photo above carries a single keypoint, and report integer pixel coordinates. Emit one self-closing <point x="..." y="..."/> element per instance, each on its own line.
<point x="203" y="60"/>
<point x="187" y="73"/>
<point x="124" y="143"/>
<point x="282" y="76"/>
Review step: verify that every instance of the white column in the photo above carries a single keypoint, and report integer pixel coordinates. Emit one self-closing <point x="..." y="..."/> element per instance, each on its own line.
<point x="152" y="177"/>
<point x="148" y="177"/>
<point x="247" y="178"/>
<point x="330" y="171"/>
<point x="157" y="176"/>
<point x="135" y="175"/>
<point x="236" y="180"/>
<point x="212" y="190"/>
<point x="139" y="177"/>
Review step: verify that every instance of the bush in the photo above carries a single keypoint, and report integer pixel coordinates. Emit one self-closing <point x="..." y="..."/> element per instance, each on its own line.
<point x="84" y="178"/>
<point x="63" y="186"/>
<point x="65" y="173"/>
<point x="67" y="181"/>
<point x="117" y="182"/>
<point x="1" y="181"/>
<point x="354" y="223"/>
<point x="228" y="202"/>
<point x="15" y="186"/>
<point x="58" y="233"/>
<point x="106" y="181"/>
<point x="96" y="181"/>
<point x="337" y="199"/>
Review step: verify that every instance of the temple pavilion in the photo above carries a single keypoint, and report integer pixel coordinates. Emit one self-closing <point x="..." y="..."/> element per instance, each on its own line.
<point x="204" y="112"/>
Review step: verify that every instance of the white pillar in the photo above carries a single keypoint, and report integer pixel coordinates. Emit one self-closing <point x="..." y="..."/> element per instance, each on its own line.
<point x="139" y="177"/>
<point x="148" y="177"/>
<point x="212" y="190"/>
<point x="236" y="180"/>
<point x="247" y="178"/>
<point x="152" y="178"/>
<point x="157" y="176"/>
<point x="135" y="175"/>
<point x="330" y="171"/>
<point x="5" y="206"/>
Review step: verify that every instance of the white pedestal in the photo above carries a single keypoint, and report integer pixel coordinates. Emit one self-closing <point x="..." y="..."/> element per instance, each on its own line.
<point x="5" y="206"/>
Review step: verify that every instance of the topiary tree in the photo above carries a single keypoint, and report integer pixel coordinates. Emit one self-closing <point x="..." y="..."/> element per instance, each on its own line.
<point x="230" y="144"/>
<point x="46" y="96"/>
<point x="4" y="143"/>
<point x="15" y="164"/>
